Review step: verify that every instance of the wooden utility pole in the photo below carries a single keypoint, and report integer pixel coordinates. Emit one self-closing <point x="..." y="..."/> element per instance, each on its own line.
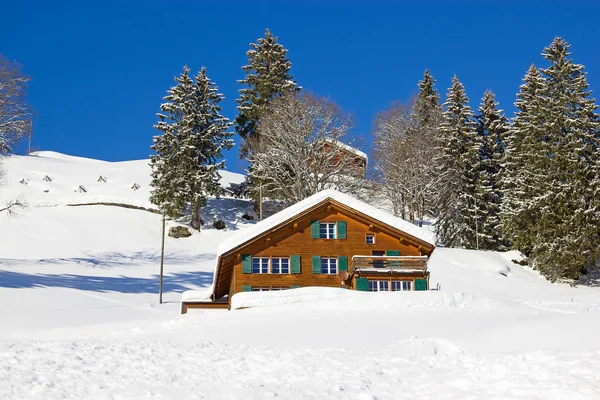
<point x="162" y="259"/>
<point x="30" y="134"/>
<point x="260" y="201"/>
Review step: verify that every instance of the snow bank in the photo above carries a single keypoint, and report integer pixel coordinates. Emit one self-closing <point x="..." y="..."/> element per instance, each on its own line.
<point x="197" y="295"/>
<point x="141" y="368"/>
<point x="343" y="299"/>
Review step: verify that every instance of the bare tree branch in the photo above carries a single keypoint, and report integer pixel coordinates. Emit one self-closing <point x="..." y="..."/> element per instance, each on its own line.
<point x="15" y="113"/>
<point x="300" y="151"/>
<point x="12" y="206"/>
<point x="404" y="149"/>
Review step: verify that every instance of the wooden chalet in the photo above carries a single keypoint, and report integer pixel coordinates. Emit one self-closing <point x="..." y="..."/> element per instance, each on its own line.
<point x="329" y="239"/>
<point x="359" y="158"/>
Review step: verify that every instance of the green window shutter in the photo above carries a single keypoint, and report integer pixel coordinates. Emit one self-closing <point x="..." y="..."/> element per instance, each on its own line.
<point x="294" y="287"/>
<point x="246" y="288"/>
<point x="316" y="264"/>
<point x="420" y="284"/>
<point x="362" y="284"/>
<point x="247" y="263"/>
<point x="295" y="261"/>
<point x="315" y="229"/>
<point x="393" y="253"/>
<point x="341" y="229"/>
<point x="343" y="263"/>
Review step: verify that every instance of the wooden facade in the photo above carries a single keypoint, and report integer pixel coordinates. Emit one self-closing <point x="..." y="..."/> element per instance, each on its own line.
<point x="363" y="254"/>
<point x="357" y="166"/>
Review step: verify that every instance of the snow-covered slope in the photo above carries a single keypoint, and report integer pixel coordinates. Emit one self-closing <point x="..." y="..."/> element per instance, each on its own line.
<point x="51" y="178"/>
<point x="81" y="319"/>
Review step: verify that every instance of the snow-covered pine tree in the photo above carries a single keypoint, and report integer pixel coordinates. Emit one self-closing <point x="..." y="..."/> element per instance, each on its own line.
<point x="427" y="107"/>
<point x="168" y="186"/>
<point x="492" y="129"/>
<point x="185" y="167"/>
<point x="428" y="116"/>
<point x="456" y="161"/>
<point x="267" y="76"/>
<point x="568" y="235"/>
<point x="202" y="151"/>
<point x="524" y="163"/>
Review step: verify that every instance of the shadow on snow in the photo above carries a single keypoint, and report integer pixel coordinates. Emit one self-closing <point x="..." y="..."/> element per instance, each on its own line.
<point x="178" y="282"/>
<point x="114" y="259"/>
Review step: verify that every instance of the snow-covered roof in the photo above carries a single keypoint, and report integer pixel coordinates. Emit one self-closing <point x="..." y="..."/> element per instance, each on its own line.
<point x="349" y="201"/>
<point x="346" y="147"/>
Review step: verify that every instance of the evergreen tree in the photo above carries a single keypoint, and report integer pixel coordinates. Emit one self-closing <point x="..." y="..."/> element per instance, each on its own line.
<point x="168" y="185"/>
<point x="492" y="129"/>
<point x="524" y="165"/>
<point x="456" y="162"/>
<point x="427" y="118"/>
<point x="185" y="167"/>
<point x="267" y="76"/>
<point x="568" y="233"/>
<point x="427" y="107"/>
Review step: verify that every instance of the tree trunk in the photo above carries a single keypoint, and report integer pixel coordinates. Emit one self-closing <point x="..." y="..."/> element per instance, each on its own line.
<point x="196" y="220"/>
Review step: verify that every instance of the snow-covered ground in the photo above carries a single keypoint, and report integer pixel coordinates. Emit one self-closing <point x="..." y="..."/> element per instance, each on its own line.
<point x="80" y="316"/>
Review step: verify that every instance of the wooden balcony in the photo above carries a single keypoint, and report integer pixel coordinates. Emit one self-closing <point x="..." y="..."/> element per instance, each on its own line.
<point x="388" y="264"/>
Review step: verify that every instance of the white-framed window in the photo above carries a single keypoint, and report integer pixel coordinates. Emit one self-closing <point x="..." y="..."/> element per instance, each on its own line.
<point x="260" y="288"/>
<point x="401" y="286"/>
<point x="379" y="286"/>
<point x="280" y="265"/>
<point x="329" y="265"/>
<point x="280" y="288"/>
<point x="260" y="265"/>
<point x="370" y="238"/>
<point x="327" y="230"/>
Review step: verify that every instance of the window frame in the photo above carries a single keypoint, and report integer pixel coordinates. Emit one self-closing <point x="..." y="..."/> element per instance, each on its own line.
<point x="289" y="265"/>
<point x="379" y="285"/>
<point x="260" y="289"/>
<point x="327" y="231"/>
<point x="401" y="286"/>
<point x="367" y="235"/>
<point x="329" y="261"/>
<point x="260" y="266"/>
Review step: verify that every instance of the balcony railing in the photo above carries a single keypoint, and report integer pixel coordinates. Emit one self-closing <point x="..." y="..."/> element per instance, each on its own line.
<point x="391" y="264"/>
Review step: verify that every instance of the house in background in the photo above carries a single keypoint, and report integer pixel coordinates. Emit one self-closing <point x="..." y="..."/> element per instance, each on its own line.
<point x="329" y="239"/>
<point x="360" y="159"/>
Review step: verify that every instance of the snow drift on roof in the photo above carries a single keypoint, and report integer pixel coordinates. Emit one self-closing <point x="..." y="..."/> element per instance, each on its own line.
<point x="315" y="199"/>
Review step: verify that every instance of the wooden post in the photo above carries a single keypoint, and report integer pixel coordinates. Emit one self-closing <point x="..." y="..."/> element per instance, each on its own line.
<point x="30" y="134"/>
<point x="162" y="259"/>
<point x="260" y="211"/>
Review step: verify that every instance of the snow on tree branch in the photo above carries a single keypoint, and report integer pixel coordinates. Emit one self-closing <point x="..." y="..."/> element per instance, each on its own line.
<point x="296" y="155"/>
<point x="15" y="113"/>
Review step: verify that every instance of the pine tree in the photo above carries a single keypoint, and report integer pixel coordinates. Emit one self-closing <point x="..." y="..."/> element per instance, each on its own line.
<point x="267" y="76"/>
<point x="456" y="162"/>
<point x="203" y="150"/>
<point x="492" y="129"/>
<point x="185" y="167"/>
<point x="427" y="119"/>
<point x="524" y="165"/>
<point x="427" y="106"/>
<point x="168" y="185"/>
<point x="567" y="242"/>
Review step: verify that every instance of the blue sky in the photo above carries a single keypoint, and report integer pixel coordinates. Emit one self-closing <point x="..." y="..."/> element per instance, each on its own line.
<point x="100" y="68"/>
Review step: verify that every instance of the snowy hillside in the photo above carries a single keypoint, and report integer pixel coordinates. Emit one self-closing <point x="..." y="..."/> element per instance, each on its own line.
<point x="81" y="319"/>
